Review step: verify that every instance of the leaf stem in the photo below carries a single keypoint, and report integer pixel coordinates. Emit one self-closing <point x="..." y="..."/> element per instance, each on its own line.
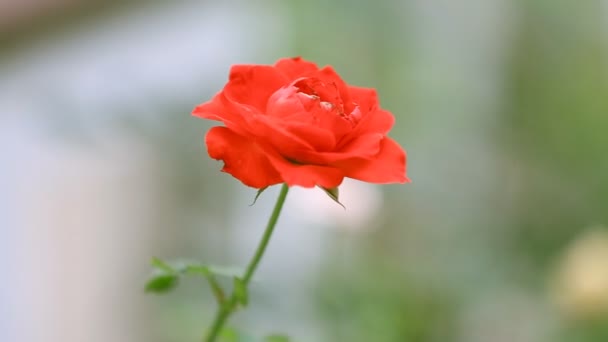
<point x="228" y="307"/>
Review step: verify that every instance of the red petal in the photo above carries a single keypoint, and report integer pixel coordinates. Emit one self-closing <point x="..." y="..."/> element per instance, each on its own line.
<point x="319" y="124"/>
<point x="275" y="133"/>
<point x="320" y="139"/>
<point x="333" y="122"/>
<point x="365" y="98"/>
<point x="253" y="84"/>
<point x="295" y="67"/>
<point x="378" y="121"/>
<point x="213" y="110"/>
<point x="306" y="176"/>
<point x="290" y="138"/>
<point x="220" y="109"/>
<point x="309" y="176"/>
<point x="388" y="166"/>
<point x="284" y="103"/>
<point x="243" y="158"/>
<point x="329" y="76"/>
<point x="365" y="146"/>
<point x="259" y="165"/>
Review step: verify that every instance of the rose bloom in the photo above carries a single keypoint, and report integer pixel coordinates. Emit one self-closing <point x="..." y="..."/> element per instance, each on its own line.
<point x="297" y="124"/>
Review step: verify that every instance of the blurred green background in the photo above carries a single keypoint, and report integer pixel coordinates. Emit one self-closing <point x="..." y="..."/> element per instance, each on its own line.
<point x="501" y="105"/>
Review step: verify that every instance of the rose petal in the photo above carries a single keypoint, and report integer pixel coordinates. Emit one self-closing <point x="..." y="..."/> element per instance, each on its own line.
<point x="295" y="67"/>
<point x="306" y="176"/>
<point x="276" y="133"/>
<point x="243" y="158"/>
<point x="365" y="98"/>
<point x="373" y="118"/>
<point x="377" y="121"/>
<point x="213" y="110"/>
<point x="288" y="137"/>
<point x="253" y="84"/>
<point x="365" y="146"/>
<point x="309" y="176"/>
<point x="320" y="139"/>
<point x="388" y="166"/>
<point x="329" y="76"/>
<point x="284" y="103"/>
<point x="220" y="109"/>
<point x="332" y="121"/>
<point x="319" y="124"/>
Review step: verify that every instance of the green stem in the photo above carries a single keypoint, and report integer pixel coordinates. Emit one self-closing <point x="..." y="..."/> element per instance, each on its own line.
<point x="228" y="307"/>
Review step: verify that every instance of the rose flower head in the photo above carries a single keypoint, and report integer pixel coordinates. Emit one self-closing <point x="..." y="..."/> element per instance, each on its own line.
<point x="298" y="124"/>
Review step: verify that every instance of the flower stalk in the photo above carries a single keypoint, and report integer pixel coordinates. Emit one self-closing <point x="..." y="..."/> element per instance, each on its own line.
<point x="228" y="307"/>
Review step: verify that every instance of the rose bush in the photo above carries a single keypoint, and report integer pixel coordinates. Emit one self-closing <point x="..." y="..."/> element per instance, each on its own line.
<point x="295" y="123"/>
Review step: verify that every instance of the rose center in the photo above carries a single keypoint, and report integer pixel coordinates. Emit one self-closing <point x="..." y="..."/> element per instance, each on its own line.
<point x="327" y="96"/>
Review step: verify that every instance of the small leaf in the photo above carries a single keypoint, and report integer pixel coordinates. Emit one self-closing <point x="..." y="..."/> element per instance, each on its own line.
<point x="258" y="195"/>
<point x="218" y="292"/>
<point x="189" y="267"/>
<point x="240" y="291"/>
<point x="226" y="271"/>
<point x="229" y="335"/>
<point x="163" y="266"/>
<point x="161" y="283"/>
<point x="276" y="338"/>
<point x="334" y="194"/>
<point x="195" y="270"/>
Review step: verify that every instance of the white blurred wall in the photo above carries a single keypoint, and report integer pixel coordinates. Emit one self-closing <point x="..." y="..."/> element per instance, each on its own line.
<point x="76" y="214"/>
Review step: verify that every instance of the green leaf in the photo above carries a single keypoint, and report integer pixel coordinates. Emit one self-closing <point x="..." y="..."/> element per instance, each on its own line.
<point x="163" y="279"/>
<point x="195" y="270"/>
<point x="226" y="271"/>
<point x="334" y="194"/>
<point x="276" y="338"/>
<point x="218" y="292"/>
<point x="161" y="283"/>
<point x="166" y="276"/>
<point x="191" y="269"/>
<point x="258" y="195"/>
<point x="163" y="266"/>
<point x="240" y="291"/>
<point x="229" y="335"/>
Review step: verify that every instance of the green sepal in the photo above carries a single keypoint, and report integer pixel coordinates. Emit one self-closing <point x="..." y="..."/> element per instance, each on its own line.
<point x="240" y="291"/>
<point x="334" y="194"/>
<point x="258" y="195"/>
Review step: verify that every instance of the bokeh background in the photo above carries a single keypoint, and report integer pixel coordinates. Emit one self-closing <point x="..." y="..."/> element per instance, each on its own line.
<point x="502" y="107"/>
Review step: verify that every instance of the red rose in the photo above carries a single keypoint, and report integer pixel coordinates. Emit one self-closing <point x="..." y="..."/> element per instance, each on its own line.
<point x="297" y="124"/>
